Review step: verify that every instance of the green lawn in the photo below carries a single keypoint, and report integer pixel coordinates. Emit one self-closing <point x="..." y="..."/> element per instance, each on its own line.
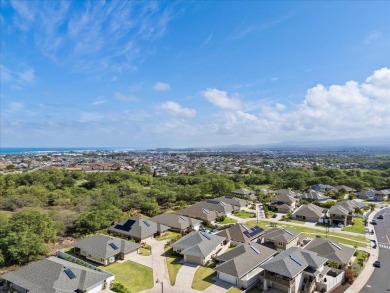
<point x="169" y="236"/>
<point x="227" y="221"/>
<point x="244" y="214"/>
<point x="360" y="241"/>
<point x="173" y="264"/>
<point x="132" y="275"/>
<point x="252" y="290"/>
<point x="357" y="227"/>
<point x="203" y="278"/>
<point x="144" y="251"/>
<point x="234" y="290"/>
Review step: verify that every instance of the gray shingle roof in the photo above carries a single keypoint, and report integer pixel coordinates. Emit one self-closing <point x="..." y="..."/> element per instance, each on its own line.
<point x="48" y="276"/>
<point x="243" y="259"/>
<point x="137" y="227"/>
<point x="239" y="233"/>
<point x="293" y="261"/>
<point x="198" y="244"/>
<point x="234" y="201"/>
<point x="280" y="235"/>
<point x="101" y="245"/>
<point x="314" y="195"/>
<point x="332" y="250"/>
<point x="309" y="210"/>
<point x="201" y="211"/>
<point x="176" y="221"/>
<point x="338" y="210"/>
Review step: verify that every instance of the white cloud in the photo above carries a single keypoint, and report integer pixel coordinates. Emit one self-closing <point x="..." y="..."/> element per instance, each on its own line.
<point x="99" y="101"/>
<point x="15" y="106"/>
<point x="86" y="117"/>
<point x="19" y="77"/>
<point x="27" y="76"/>
<point x="176" y="109"/>
<point x="371" y="37"/>
<point x="221" y="99"/>
<point x="161" y="86"/>
<point x="126" y="98"/>
<point x="351" y="110"/>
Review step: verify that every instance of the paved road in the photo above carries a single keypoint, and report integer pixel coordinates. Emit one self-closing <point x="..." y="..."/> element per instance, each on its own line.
<point x="380" y="279"/>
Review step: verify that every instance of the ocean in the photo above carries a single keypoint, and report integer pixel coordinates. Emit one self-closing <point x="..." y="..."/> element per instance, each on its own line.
<point x="5" y="151"/>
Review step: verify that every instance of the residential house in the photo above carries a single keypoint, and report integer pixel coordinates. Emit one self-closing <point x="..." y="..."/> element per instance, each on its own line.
<point x="220" y="206"/>
<point x="57" y="275"/>
<point x="246" y="193"/>
<point x="234" y="201"/>
<point x="344" y="211"/>
<point x="322" y="187"/>
<point x="367" y="194"/>
<point x="280" y="238"/>
<point x="138" y="228"/>
<point x="199" y="247"/>
<point x="313" y="195"/>
<point x="241" y="233"/>
<point x="104" y="249"/>
<point x="298" y="270"/>
<point x="332" y="250"/>
<point x="308" y="213"/>
<point x="177" y="223"/>
<point x="347" y="189"/>
<point x="382" y="195"/>
<point x="284" y="201"/>
<point x="198" y="211"/>
<point x="241" y="265"/>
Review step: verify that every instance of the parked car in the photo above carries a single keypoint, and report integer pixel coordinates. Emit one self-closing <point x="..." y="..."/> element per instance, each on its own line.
<point x="377" y="264"/>
<point x="373" y="222"/>
<point x="380" y="217"/>
<point x="340" y="225"/>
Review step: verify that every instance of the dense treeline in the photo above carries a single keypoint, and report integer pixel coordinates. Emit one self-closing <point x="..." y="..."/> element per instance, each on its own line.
<point x="76" y="203"/>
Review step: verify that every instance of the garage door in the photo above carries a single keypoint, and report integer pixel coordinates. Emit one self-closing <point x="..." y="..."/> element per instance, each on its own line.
<point x="227" y="278"/>
<point x="193" y="259"/>
<point x="96" y="288"/>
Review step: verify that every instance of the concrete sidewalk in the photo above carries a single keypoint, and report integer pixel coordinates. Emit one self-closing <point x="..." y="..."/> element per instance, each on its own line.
<point x="365" y="275"/>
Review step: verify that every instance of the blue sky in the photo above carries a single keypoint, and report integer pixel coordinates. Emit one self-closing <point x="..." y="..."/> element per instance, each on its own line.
<point x="193" y="73"/>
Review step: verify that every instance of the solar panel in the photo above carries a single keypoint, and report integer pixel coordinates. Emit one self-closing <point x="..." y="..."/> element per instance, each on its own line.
<point x="288" y="232"/>
<point x="69" y="273"/>
<point x="294" y="259"/>
<point x="335" y="245"/>
<point x="255" y="249"/>
<point x="147" y="223"/>
<point x="205" y="236"/>
<point x="126" y="226"/>
<point x="212" y="201"/>
<point x="222" y="203"/>
<point x="113" y="246"/>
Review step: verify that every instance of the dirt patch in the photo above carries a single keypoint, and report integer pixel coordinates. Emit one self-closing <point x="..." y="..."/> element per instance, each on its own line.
<point x="342" y="288"/>
<point x="61" y="244"/>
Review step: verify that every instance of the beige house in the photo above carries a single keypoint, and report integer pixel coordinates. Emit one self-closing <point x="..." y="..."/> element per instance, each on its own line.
<point x="308" y="213"/>
<point x="279" y="238"/>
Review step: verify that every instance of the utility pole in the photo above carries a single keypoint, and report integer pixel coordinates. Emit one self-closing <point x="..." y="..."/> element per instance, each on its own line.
<point x="162" y="285"/>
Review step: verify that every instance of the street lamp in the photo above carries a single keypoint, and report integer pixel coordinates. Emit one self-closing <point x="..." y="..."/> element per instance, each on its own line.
<point x="162" y="285"/>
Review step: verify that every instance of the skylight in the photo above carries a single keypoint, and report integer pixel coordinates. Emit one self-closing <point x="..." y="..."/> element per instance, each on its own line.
<point x="69" y="273"/>
<point x="255" y="249"/>
<point x="205" y="236"/>
<point x="335" y="245"/>
<point x="245" y="227"/>
<point x="181" y="217"/>
<point x="206" y="211"/>
<point x="288" y="232"/>
<point x="113" y="246"/>
<point x="147" y="223"/>
<point x="294" y="259"/>
<point x="222" y="203"/>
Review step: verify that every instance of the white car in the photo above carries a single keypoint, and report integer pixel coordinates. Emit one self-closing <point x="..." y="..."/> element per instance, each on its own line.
<point x="340" y="225"/>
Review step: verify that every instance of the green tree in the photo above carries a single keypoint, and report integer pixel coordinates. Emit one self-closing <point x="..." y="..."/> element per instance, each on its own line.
<point x="119" y="288"/>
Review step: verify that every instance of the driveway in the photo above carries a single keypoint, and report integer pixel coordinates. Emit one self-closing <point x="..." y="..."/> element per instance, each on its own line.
<point x="218" y="287"/>
<point x="186" y="275"/>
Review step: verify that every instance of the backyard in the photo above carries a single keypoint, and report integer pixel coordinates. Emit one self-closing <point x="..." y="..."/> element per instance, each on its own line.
<point x="227" y="220"/>
<point x="132" y="275"/>
<point x="244" y="214"/>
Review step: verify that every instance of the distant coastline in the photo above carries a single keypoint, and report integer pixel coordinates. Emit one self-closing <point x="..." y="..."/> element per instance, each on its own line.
<point x="13" y="151"/>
